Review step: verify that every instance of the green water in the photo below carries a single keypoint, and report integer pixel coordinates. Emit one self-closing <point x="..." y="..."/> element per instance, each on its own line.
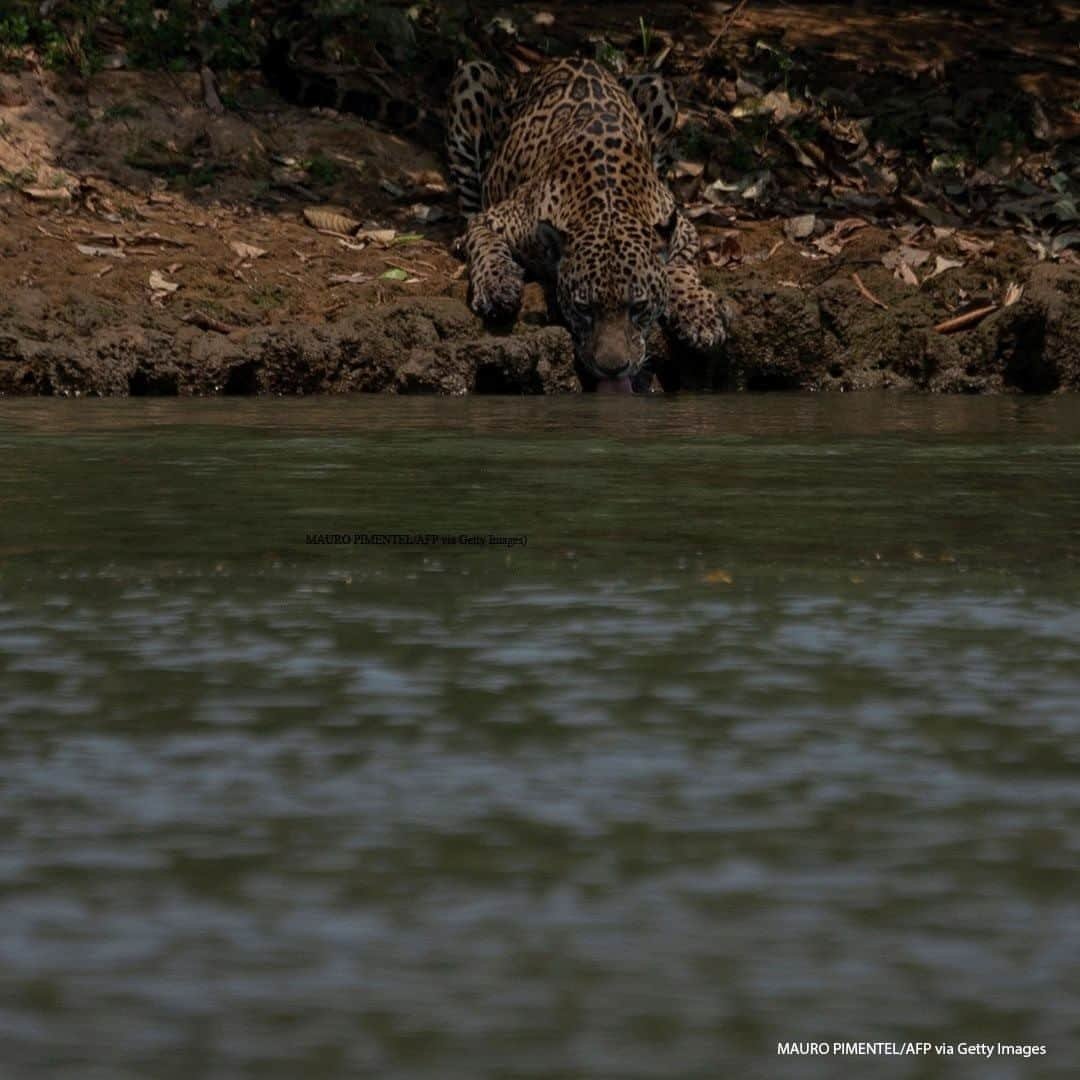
<point x="770" y="731"/>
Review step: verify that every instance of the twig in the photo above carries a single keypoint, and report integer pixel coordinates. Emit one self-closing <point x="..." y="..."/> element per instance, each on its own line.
<point x="380" y="83"/>
<point x="207" y="322"/>
<point x="962" y="322"/>
<point x="732" y="15"/>
<point x="379" y="59"/>
<point x="867" y="293"/>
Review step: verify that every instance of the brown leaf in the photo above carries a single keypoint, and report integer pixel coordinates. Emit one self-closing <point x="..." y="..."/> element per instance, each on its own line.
<point x="689" y="168"/>
<point x="246" y="251"/>
<point x="801" y="227"/>
<point x="941" y="264"/>
<point x="378" y="236"/>
<point x="911" y="257"/>
<point x="847" y="226"/>
<point x="724" y="251"/>
<point x="330" y="220"/>
<point x="972" y="245"/>
<point x="906" y="274"/>
<point x="159" y="284"/>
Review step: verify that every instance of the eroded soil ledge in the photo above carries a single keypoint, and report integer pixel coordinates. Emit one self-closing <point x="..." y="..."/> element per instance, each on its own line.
<point x="152" y="245"/>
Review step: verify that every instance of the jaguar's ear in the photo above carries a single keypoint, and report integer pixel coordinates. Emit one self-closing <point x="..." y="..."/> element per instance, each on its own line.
<point x="552" y="241"/>
<point x="665" y="233"/>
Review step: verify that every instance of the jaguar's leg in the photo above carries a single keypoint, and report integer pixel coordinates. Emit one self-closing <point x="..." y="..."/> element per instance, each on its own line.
<point x="655" y="100"/>
<point x="493" y="242"/>
<point x="478" y="96"/>
<point x="695" y="316"/>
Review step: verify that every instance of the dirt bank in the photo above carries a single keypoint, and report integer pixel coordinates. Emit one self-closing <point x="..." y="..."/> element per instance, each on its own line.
<point x="153" y="245"/>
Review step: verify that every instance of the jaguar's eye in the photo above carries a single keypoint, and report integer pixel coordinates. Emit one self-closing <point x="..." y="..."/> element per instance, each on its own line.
<point x="639" y="310"/>
<point x="581" y="306"/>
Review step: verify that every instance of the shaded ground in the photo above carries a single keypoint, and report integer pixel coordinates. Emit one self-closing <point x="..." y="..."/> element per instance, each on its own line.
<point x="885" y="200"/>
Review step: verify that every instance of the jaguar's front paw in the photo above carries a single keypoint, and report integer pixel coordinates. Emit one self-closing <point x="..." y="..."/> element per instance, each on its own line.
<point x="699" y="321"/>
<point x="496" y="298"/>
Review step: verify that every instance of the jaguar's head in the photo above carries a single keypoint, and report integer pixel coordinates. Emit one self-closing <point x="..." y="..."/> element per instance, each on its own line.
<point x="612" y="288"/>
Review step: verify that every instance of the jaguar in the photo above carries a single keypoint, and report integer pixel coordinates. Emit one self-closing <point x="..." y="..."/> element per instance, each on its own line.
<point x="559" y="176"/>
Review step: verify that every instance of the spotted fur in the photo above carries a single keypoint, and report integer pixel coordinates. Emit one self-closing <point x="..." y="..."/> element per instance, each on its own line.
<point x="561" y="175"/>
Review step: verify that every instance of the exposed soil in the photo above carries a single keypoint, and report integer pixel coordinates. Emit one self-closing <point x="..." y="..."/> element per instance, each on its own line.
<point x="152" y="246"/>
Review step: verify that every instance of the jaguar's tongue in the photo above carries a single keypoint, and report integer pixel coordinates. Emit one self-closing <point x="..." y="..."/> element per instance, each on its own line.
<point x="614" y="386"/>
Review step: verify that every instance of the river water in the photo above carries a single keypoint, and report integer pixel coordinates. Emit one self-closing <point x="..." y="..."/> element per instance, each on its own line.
<point x="769" y="731"/>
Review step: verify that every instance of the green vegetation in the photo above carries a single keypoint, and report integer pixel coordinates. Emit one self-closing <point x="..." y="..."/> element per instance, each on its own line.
<point x="268" y="296"/>
<point x="646" y="36"/>
<point x="123" y="111"/>
<point x="998" y="128"/>
<point x="179" y="168"/>
<point x="323" y="169"/>
<point x="781" y="62"/>
<point x="186" y="33"/>
<point x="612" y="58"/>
<point x="17" y="179"/>
<point x="14" y="32"/>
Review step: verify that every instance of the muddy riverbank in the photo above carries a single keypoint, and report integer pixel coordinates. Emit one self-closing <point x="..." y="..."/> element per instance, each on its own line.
<point x="152" y="244"/>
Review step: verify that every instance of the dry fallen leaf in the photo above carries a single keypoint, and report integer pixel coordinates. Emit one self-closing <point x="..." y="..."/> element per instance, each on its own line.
<point x="941" y="264"/>
<point x="160" y="285"/>
<point x="718" y="577"/>
<point x="246" y="251"/>
<point x="378" y="236"/>
<point x="801" y="227"/>
<point x="427" y="214"/>
<point x="689" y="168"/>
<point x="912" y="256"/>
<point x="330" y="220"/>
<point x="101" y="252"/>
<point x="723" y="250"/>
<point x="972" y="245"/>
<point x="350" y="279"/>
<point x="847" y="226"/>
<point x="1064" y="241"/>
<point x="906" y="274"/>
<point x="1012" y="293"/>
<point x="904" y="261"/>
